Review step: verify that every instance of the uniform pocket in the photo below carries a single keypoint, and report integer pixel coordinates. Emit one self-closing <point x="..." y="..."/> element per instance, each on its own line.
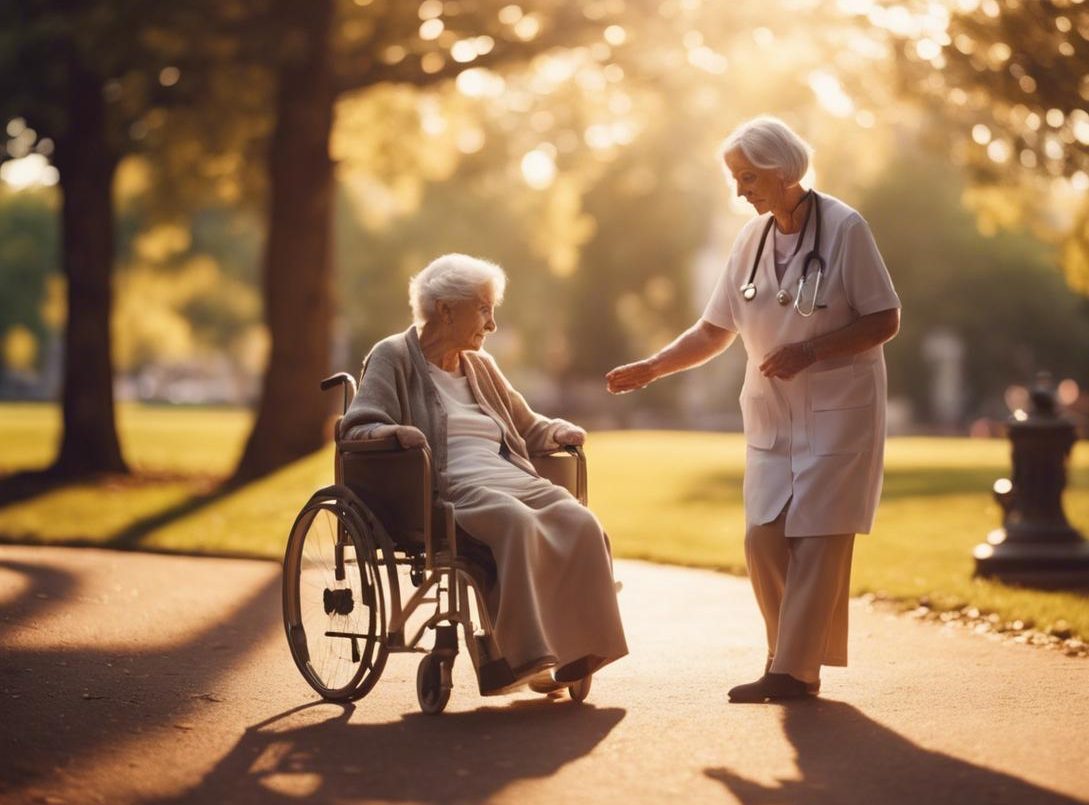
<point x="759" y="426"/>
<point x="842" y="405"/>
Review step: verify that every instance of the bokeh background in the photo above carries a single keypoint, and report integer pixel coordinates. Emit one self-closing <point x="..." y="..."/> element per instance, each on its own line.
<point x="237" y="147"/>
<point x="208" y="206"/>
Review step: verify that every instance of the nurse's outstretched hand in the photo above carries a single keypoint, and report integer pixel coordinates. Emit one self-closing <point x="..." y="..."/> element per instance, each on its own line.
<point x="788" y="360"/>
<point x="630" y="376"/>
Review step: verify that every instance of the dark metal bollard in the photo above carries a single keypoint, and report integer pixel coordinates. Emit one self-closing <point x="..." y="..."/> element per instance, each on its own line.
<point x="1036" y="545"/>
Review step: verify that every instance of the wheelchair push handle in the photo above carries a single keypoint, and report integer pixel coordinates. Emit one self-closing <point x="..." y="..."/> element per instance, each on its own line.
<point x="341" y="379"/>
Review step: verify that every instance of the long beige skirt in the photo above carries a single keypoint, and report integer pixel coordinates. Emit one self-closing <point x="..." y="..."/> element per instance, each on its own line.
<point x="556" y="594"/>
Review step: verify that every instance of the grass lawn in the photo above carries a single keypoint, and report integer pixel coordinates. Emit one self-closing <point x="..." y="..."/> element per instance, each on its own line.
<point x="665" y="496"/>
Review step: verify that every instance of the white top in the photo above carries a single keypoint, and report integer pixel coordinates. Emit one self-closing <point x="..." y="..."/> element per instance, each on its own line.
<point x="473" y="439"/>
<point x="818" y="438"/>
<point x="784" y="247"/>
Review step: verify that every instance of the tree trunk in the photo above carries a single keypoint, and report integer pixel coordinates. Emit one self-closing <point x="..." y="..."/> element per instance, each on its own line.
<point x="293" y="412"/>
<point x="87" y="164"/>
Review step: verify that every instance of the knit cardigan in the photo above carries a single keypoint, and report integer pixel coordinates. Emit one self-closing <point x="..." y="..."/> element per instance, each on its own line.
<point x="395" y="388"/>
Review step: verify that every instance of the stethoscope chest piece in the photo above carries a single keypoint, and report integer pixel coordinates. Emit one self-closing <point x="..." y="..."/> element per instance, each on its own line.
<point x="783" y="297"/>
<point x="748" y="291"/>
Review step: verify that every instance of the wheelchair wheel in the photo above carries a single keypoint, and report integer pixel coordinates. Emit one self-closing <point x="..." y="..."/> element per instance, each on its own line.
<point x="581" y="689"/>
<point x="334" y="601"/>
<point x="433" y="683"/>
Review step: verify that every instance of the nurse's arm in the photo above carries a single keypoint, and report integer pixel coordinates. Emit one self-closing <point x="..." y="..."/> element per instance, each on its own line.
<point x="696" y="345"/>
<point x="860" y="335"/>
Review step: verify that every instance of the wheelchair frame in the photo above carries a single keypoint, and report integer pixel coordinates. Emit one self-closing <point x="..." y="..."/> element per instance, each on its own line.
<point x="388" y="517"/>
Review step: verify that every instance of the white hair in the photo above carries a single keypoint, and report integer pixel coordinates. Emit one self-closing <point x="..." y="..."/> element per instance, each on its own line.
<point x="769" y="143"/>
<point x="450" y="278"/>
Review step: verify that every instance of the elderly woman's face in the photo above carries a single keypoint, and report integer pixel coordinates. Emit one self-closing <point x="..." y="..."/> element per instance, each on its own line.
<point x="468" y="321"/>
<point x="764" y="188"/>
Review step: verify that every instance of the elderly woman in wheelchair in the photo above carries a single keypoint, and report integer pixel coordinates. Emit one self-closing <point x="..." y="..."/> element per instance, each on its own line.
<point x="481" y="529"/>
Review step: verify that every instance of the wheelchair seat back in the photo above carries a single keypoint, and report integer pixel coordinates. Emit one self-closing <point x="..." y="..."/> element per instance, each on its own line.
<point x="394" y="483"/>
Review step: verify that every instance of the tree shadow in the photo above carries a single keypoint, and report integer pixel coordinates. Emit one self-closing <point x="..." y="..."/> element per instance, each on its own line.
<point x="846" y="758"/>
<point x="61" y="703"/>
<point x="467" y="757"/>
<point x="19" y="487"/>
<point x="131" y="536"/>
<point x="25" y="486"/>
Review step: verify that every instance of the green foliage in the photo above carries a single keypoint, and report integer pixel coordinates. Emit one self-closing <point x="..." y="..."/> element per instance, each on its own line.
<point x="1019" y="70"/>
<point x="28" y="257"/>
<point x="1001" y="294"/>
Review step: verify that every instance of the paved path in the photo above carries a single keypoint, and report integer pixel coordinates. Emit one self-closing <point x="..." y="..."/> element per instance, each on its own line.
<point x="139" y="678"/>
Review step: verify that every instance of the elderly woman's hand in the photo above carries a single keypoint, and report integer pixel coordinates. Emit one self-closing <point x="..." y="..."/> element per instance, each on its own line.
<point x="631" y="376"/>
<point x="407" y="435"/>
<point x="569" y="436"/>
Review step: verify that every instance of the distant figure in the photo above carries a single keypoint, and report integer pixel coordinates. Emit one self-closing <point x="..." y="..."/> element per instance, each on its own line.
<point x="434" y="385"/>
<point x="808" y="292"/>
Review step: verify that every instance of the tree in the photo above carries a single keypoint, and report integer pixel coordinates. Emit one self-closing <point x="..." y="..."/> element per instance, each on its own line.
<point x="78" y="77"/>
<point x="1013" y="79"/>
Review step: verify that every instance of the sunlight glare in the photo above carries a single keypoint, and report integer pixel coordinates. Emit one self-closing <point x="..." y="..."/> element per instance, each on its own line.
<point x="430" y="9"/>
<point x="470" y="140"/>
<point x="463" y="51"/>
<point x="830" y="93"/>
<point x="527" y="28"/>
<point x="431" y="29"/>
<point x="28" y="171"/>
<point x="538" y="169"/>
<point x="509" y="15"/>
<point x="998" y="151"/>
<point x="615" y="35"/>
<point x="703" y="58"/>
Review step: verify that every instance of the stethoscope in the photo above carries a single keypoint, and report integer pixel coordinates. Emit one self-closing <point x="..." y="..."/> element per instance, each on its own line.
<point x="748" y="290"/>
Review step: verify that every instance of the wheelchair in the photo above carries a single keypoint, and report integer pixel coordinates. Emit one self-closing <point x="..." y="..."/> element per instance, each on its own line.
<point x="353" y="547"/>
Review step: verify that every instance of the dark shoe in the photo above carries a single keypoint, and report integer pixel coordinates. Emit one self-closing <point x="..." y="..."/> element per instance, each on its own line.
<point x="578" y="669"/>
<point x="543" y="682"/>
<point x="812" y="688"/>
<point x="497" y="677"/>
<point x="771" y="687"/>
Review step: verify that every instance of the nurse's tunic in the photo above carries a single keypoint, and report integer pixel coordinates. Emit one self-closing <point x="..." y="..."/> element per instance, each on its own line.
<point x="818" y="439"/>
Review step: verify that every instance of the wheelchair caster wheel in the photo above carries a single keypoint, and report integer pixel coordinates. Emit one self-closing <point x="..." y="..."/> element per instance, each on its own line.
<point x="580" y="690"/>
<point x="433" y="684"/>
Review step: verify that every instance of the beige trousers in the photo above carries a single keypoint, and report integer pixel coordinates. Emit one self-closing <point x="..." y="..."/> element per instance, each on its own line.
<point x="802" y="586"/>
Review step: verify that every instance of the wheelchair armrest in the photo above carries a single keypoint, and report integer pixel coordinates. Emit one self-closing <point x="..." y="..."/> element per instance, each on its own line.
<point x="369" y="445"/>
<point x="566" y="467"/>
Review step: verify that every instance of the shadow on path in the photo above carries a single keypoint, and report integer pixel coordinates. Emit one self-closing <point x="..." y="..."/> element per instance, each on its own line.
<point x="849" y="759"/>
<point x="468" y="756"/>
<point x="59" y="704"/>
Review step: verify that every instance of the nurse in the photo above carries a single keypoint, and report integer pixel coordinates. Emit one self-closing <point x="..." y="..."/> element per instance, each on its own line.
<point x="808" y="292"/>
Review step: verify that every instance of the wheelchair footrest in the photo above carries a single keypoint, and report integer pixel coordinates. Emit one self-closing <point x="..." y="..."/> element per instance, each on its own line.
<point x="446" y="640"/>
<point x="494" y="675"/>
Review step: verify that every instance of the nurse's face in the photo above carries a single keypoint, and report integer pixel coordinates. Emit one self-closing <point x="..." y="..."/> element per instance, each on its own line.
<point x="764" y="188"/>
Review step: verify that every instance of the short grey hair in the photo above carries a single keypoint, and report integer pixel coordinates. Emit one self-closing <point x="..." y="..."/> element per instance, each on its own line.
<point x="769" y="143"/>
<point x="450" y="278"/>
